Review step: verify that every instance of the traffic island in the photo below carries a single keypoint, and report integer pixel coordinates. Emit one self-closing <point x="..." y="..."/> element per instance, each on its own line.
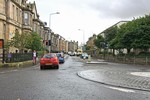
<point x="125" y="79"/>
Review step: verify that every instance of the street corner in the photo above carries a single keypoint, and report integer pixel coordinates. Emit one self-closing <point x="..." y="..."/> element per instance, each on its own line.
<point x="93" y="75"/>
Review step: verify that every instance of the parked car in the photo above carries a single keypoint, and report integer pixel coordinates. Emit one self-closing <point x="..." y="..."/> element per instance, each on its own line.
<point x="79" y="52"/>
<point x="72" y="54"/>
<point x="61" y="57"/>
<point x="49" y="60"/>
<point x="84" y="56"/>
<point x="69" y="52"/>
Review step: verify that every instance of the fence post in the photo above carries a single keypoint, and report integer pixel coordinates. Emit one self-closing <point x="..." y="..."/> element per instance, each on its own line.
<point x="124" y="58"/>
<point x="146" y="60"/>
<point x="134" y="60"/>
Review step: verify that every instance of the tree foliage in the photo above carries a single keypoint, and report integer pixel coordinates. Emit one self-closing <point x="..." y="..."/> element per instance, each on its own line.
<point x="110" y="33"/>
<point x="142" y="35"/>
<point x="26" y="41"/>
<point x="19" y="40"/>
<point x="98" y="40"/>
<point x="133" y="34"/>
<point x="34" y="41"/>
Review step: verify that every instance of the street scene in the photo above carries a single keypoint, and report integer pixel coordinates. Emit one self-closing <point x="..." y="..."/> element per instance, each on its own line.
<point x="76" y="79"/>
<point x="74" y="50"/>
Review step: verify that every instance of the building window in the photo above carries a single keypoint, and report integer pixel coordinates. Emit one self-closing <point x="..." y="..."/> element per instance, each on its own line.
<point x="16" y="30"/>
<point x="13" y="11"/>
<point x="4" y="5"/>
<point x="17" y="1"/>
<point x="30" y="20"/>
<point x="20" y="16"/>
<point x="4" y="31"/>
<point x="17" y="14"/>
<point x="35" y="26"/>
<point x="26" y="19"/>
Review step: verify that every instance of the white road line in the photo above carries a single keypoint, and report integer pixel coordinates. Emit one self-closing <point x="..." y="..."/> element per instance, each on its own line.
<point x="8" y="71"/>
<point x="122" y="89"/>
<point x="143" y="74"/>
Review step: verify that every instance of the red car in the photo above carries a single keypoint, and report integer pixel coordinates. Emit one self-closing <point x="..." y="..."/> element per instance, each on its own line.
<point x="49" y="60"/>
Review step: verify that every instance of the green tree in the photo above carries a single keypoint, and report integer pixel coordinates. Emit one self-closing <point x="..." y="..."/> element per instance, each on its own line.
<point x="128" y="35"/>
<point x="142" y="40"/>
<point x="110" y="33"/>
<point x="98" y="41"/>
<point x="115" y="42"/>
<point x="26" y="41"/>
<point x="137" y="35"/>
<point x="34" y="41"/>
<point x="87" y="47"/>
<point x="134" y="34"/>
<point x="19" y="41"/>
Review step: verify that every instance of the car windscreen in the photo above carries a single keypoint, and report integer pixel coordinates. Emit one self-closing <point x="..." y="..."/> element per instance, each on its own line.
<point x="58" y="55"/>
<point x="84" y="54"/>
<point x="49" y="56"/>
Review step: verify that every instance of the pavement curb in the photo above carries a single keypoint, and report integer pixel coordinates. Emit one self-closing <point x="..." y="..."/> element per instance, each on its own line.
<point x="17" y="64"/>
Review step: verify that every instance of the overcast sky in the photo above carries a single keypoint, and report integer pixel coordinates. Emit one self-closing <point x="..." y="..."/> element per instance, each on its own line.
<point x="91" y="16"/>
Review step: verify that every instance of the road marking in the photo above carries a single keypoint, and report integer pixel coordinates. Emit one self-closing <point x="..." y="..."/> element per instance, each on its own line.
<point x="8" y="71"/>
<point x="143" y="74"/>
<point x="122" y="89"/>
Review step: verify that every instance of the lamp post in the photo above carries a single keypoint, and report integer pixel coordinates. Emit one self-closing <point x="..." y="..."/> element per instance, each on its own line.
<point x="83" y="34"/>
<point x="83" y="39"/>
<point x="50" y="27"/>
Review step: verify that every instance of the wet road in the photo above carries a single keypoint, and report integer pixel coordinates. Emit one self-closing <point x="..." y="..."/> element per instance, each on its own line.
<point x="64" y="84"/>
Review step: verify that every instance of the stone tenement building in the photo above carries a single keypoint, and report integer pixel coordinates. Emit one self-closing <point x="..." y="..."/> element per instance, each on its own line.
<point x="72" y="46"/>
<point x="90" y="42"/>
<point x="18" y="15"/>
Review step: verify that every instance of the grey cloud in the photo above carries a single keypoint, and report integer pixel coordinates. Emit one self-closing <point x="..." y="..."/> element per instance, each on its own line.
<point x="121" y="8"/>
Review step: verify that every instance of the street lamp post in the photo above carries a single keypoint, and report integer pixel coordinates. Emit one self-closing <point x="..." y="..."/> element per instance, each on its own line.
<point x="50" y="26"/>
<point x="83" y="34"/>
<point x="83" y="39"/>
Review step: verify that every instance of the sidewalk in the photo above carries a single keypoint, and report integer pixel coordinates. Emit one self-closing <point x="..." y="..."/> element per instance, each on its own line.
<point x="132" y="79"/>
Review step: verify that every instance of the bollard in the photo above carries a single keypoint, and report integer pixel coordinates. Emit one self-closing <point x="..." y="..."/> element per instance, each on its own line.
<point x="89" y="58"/>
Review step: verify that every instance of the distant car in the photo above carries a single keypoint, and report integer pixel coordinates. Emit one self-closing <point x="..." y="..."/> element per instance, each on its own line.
<point x="72" y="54"/>
<point x="49" y="60"/>
<point x="79" y="52"/>
<point x="61" y="57"/>
<point x="84" y="56"/>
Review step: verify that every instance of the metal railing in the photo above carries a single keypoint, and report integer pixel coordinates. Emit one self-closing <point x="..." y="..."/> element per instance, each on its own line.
<point x="17" y="57"/>
<point x="142" y="60"/>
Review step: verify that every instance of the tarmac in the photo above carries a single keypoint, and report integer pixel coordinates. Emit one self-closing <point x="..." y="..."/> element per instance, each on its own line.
<point x="131" y="79"/>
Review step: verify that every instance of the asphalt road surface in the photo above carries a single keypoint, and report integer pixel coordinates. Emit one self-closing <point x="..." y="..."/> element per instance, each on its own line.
<point x="31" y="83"/>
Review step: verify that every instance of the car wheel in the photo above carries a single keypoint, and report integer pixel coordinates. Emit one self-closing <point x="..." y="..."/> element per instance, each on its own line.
<point x="57" y="67"/>
<point x="41" y="67"/>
